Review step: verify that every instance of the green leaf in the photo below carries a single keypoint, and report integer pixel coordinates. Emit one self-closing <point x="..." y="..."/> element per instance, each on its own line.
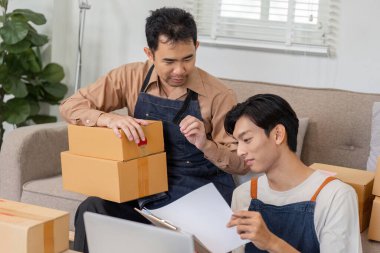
<point x="17" y="17"/>
<point x="38" y="39"/>
<point x="13" y="31"/>
<point x="34" y="106"/>
<point x="3" y="72"/>
<point x="17" y="110"/>
<point x="12" y="62"/>
<point x="40" y="119"/>
<point x="15" y="86"/>
<point x="52" y="73"/>
<point x="34" y="17"/>
<point x="30" y="61"/>
<point x="57" y="90"/>
<point x="33" y="92"/>
<point x="17" y="48"/>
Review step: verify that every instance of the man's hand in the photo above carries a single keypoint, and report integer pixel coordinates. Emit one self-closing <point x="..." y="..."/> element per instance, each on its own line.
<point x="194" y="131"/>
<point x="250" y="225"/>
<point x="129" y="125"/>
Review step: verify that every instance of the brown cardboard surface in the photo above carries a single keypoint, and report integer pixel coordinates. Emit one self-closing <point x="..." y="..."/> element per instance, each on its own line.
<point x="114" y="180"/>
<point x="27" y="228"/>
<point x="101" y="142"/>
<point x="361" y="181"/>
<point x="374" y="225"/>
<point x="376" y="184"/>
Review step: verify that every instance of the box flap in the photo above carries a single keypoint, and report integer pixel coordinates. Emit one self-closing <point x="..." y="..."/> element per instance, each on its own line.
<point x="348" y="175"/>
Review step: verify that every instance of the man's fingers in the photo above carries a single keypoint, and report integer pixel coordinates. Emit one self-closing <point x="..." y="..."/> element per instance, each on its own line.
<point x="137" y="131"/>
<point x="142" y="122"/>
<point x="130" y="126"/>
<point x="233" y="222"/>
<point x="187" y="121"/>
<point x="243" y="229"/>
<point x="116" y="132"/>
<point x="127" y="133"/>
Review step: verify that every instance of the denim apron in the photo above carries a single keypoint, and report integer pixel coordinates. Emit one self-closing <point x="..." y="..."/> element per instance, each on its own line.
<point x="186" y="165"/>
<point x="294" y="223"/>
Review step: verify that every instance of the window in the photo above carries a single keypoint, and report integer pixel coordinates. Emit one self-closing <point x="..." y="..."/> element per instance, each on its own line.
<point x="306" y="26"/>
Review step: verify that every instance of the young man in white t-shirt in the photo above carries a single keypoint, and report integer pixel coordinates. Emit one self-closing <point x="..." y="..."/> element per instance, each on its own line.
<point x="291" y="207"/>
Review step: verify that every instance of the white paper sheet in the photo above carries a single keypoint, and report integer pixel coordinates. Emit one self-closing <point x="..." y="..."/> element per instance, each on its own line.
<point x="203" y="213"/>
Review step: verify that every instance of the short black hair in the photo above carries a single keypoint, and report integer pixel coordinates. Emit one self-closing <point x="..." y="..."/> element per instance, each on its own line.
<point x="176" y="24"/>
<point x="266" y="111"/>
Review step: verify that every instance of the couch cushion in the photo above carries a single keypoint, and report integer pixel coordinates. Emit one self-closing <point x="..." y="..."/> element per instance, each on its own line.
<point x="49" y="193"/>
<point x="374" y="152"/>
<point x="303" y="123"/>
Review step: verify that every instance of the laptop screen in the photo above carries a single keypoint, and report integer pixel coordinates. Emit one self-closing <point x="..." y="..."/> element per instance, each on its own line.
<point x="108" y="234"/>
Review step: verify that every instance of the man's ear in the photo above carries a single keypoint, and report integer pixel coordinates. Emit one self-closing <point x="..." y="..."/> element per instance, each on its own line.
<point x="149" y="54"/>
<point x="279" y="134"/>
<point x="196" y="45"/>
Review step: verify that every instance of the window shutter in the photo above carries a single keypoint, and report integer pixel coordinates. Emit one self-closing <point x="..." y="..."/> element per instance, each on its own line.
<point x="307" y="26"/>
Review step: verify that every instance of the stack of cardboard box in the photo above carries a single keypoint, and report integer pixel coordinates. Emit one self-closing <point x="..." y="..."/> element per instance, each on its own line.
<point x="374" y="226"/>
<point x="362" y="182"/>
<point x="27" y="228"/>
<point x="100" y="164"/>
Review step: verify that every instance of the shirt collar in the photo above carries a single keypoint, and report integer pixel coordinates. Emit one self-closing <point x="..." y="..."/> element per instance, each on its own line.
<point x="194" y="82"/>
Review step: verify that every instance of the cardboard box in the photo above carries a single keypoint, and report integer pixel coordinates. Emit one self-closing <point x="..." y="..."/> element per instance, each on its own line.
<point x="361" y="181"/>
<point x="374" y="225"/>
<point x="101" y="142"/>
<point x="114" y="180"/>
<point x="27" y="228"/>
<point x="376" y="184"/>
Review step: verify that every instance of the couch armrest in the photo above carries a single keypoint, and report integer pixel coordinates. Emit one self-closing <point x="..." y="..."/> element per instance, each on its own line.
<point x="29" y="153"/>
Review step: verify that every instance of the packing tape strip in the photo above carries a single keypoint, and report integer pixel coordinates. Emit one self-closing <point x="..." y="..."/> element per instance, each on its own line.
<point x="49" y="236"/>
<point x="143" y="176"/>
<point x="48" y="226"/>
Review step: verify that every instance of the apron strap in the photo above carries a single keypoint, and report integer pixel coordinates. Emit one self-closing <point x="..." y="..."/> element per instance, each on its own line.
<point x="254" y="187"/>
<point x="190" y="96"/>
<point x="147" y="78"/>
<point x="327" y="180"/>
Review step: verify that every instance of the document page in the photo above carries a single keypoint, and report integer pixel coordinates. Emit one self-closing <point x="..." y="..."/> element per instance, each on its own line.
<point x="203" y="213"/>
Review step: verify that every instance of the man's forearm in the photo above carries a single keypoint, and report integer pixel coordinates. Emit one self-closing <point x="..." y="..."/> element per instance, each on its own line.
<point x="224" y="158"/>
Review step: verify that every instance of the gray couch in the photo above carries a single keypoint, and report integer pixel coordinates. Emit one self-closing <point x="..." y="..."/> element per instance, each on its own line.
<point x="338" y="134"/>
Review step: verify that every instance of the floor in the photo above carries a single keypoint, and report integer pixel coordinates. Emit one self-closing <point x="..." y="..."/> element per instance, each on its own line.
<point x="369" y="246"/>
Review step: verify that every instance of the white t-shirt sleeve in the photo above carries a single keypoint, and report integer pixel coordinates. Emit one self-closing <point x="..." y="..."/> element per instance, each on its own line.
<point x="241" y="197"/>
<point x="340" y="232"/>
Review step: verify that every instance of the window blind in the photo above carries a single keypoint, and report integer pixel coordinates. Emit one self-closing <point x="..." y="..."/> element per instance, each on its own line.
<point x="307" y="26"/>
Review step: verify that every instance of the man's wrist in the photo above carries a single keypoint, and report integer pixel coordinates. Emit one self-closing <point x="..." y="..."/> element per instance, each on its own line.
<point x="277" y="245"/>
<point x="208" y="146"/>
<point x="103" y="120"/>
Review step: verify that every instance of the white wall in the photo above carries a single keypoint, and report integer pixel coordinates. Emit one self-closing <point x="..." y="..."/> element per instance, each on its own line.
<point x="114" y="35"/>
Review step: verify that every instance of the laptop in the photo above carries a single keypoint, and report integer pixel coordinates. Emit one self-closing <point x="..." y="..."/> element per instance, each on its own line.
<point x="108" y="234"/>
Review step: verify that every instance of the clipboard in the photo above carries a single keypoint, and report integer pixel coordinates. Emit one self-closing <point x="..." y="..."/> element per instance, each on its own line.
<point x="198" y="245"/>
<point x="155" y="220"/>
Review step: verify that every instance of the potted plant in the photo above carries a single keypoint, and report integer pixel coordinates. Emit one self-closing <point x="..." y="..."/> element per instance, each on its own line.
<point x="23" y="77"/>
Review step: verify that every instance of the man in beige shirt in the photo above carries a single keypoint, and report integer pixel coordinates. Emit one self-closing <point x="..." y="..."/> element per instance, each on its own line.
<point x="168" y="87"/>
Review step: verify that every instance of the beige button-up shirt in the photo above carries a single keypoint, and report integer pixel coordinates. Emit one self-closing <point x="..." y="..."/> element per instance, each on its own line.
<point x="120" y="88"/>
